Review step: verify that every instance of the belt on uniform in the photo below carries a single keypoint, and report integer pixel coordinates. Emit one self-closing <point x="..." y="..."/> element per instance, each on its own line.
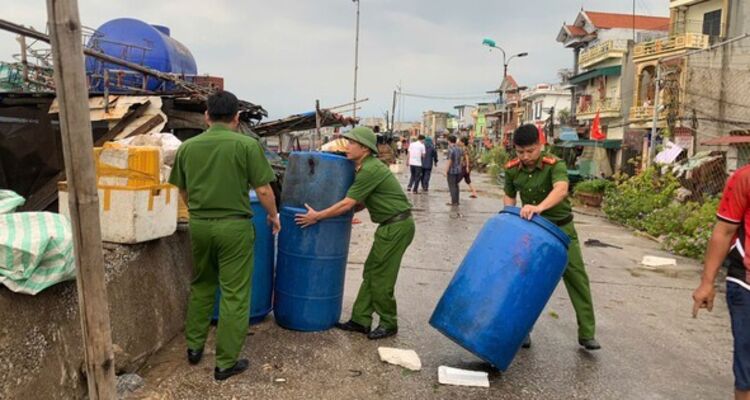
<point x="564" y="221"/>
<point x="397" y="218"/>
<point x="228" y="217"/>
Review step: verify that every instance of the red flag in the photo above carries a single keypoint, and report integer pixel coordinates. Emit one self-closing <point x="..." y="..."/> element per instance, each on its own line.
<point x="596" y="129"/>
<point x="542" y="136"/>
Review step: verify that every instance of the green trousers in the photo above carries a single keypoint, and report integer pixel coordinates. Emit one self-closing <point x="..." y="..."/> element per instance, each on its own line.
<point x="222" y="257"/>
<point x="379" y="277"/>
<point x="577" y="283"/>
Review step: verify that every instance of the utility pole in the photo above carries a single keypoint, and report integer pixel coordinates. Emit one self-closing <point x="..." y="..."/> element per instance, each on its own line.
<point x="75" y="126"/>
<point x="551" y="123"/>
<point x="655" y="119"/>
<point x="356" y="61"/>
<point x="393" y="113"/>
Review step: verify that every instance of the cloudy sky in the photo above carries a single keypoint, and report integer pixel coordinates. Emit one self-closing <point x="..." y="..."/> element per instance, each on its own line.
<point x="284" y="54"/>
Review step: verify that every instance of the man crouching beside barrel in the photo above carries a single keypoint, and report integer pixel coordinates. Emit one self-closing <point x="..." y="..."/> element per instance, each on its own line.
<point x="376" y="188"/>
<point x="542" y="181"/>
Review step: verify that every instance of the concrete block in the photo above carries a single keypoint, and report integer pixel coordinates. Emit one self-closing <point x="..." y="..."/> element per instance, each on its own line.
<point x="405" y="358"/>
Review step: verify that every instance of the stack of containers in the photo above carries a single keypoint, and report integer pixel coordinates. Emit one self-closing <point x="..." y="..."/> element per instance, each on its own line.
<point x="311" y="266"/>
<point x="134" y="205"/>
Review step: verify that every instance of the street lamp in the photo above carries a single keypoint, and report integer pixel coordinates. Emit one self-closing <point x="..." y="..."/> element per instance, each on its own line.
<point x="491" y="43"/>
<point x="356" y="62"/>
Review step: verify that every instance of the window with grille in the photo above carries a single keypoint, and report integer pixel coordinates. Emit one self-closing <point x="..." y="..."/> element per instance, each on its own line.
<point x="712" y="23"/>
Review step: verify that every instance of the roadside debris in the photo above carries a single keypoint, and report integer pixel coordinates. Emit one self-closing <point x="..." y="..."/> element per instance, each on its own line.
<point x="599" y="243"/>
<point x="654" y="261"/>
<point x="128" y="383"/>
<point x="462" y="377"/>
<point x="405" y="358"/>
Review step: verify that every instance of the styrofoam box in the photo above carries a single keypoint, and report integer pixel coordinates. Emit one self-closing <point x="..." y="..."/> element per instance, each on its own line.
<point x="128" y="219"/>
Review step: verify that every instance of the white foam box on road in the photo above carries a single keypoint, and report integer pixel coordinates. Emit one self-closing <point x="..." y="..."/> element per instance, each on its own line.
<point x="462" y="377"/>
<point x="132" y="215"/>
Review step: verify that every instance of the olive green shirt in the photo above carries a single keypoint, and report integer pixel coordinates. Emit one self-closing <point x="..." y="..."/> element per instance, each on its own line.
<point x="379" y="190"/>
<point x="217" y="169"/>
<point x="535" y="185"/>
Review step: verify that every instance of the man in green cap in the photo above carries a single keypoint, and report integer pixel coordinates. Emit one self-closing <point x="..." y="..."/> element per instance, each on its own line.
<point x="376" y="189"/>
<point x="542" y="181"/>
<point x="214" y="172"/>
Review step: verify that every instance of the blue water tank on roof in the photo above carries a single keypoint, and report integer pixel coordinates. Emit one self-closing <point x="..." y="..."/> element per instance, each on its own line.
<point x="502" y="286"/>
<point x="141" y="43"/>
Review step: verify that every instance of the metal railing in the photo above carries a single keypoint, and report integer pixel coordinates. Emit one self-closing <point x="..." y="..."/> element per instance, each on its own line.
<point x="602" y="51"/>
<point x="672" y="43"/>
<point x="607" y="105"/>
<point x="645" y="113"/>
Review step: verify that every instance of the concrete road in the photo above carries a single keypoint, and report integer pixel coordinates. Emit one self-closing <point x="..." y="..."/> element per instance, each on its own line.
<point x="652" y="348"/>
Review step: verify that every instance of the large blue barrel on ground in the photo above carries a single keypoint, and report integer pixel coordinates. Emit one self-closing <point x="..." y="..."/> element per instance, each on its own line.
<point x="502" y="286"/>
<point x="318" y="179"/>
<point x="262" y="292"/>
<point x="141" y="43"/>
<point x="310" y="271"/>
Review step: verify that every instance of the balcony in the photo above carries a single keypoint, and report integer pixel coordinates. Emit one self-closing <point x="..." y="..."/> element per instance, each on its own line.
<point x="660" y="47"/>
<point x="603" y="51"/>
<point x="642" y="114"/>
<point x="608" y="108"/>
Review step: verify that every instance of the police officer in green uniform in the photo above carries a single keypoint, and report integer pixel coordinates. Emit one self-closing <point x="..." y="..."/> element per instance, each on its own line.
<point x="542" y="182"/>
<point x="214" y="172"/>
<point x="376" y="188"/>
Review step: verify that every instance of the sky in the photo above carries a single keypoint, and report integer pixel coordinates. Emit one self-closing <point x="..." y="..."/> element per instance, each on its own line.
<point x="285" y="54"/>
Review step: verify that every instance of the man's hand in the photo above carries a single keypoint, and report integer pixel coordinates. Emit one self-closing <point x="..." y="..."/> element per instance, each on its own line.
<point x="275" y="223"/>
<point x="703" y="297"/>
<point x="309" y="219"/>
<point x="528" y="211"/>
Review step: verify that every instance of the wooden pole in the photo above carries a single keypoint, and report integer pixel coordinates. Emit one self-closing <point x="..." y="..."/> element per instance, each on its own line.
<point x="75" y="126"/>
<point x="317" y="125"/>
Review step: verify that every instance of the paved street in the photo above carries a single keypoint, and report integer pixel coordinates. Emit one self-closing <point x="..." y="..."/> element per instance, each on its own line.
<point x="652" y="348"/>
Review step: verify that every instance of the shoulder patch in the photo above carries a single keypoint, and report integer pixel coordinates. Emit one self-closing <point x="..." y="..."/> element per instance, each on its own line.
<point x="513" y="163"/>
<point x="549" y="160"/>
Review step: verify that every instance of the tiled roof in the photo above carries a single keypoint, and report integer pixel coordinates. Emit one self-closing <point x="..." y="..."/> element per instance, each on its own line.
<point x="643" y="22"/>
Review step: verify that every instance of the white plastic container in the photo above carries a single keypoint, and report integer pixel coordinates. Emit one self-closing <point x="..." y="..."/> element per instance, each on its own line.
<point x="133" y="215"/>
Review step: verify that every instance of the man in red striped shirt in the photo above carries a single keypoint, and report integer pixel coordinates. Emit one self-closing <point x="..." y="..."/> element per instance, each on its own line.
<point x="727" y="245"/>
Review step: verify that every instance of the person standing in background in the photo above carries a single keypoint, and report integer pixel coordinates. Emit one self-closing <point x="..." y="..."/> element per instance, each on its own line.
<point x="416" y="155"/>
<point x="430" y="159"/>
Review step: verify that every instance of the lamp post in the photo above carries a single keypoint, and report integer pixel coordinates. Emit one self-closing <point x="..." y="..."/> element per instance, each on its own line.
<point x="491" y="43"/>
<point x="356" y="62"/>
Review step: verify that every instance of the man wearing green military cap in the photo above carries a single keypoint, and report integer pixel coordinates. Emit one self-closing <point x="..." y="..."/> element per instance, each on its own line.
<point x="375" y="188"/>
<point x="542" y="181"/>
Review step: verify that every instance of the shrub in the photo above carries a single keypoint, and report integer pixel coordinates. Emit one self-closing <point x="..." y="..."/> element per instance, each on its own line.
<point x="631" y="200"/>
<point x="595" y="186"/>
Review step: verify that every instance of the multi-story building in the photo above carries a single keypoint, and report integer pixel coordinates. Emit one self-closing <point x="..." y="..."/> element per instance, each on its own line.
<point x="434" y="123"/>
<point x="602" y="80"/>
<point x="508" y="111"/>
<point x="542" y="101"/>
<point x="694" y="25"/>
<point x="714" y="112"/>
<point x="464" y="116"/>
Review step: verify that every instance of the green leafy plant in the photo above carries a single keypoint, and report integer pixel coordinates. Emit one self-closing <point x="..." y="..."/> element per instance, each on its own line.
<point x="631" y="200"/>
<point x="593" y="186"/>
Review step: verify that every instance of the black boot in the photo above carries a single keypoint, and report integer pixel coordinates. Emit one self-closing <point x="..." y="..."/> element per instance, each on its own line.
<point x="381" y="333"/>
<point x="589" y="344"/>
<point x="226" y="373"/>
<point x="194" y="356"/>
<point x="352" y="326"/>
<point x="526" y="342"/>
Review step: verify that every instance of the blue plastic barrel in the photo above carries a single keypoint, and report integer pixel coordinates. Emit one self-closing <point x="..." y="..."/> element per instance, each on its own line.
<point x="262" y="292"/>
<point x="502" y="286"/>
<point x="310" y="270"/>
<point x="318" y="179"/>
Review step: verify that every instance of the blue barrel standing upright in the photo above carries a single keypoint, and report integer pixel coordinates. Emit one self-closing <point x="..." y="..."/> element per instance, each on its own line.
<point x="502" y="286"/>
<point x="315" y="178"/>
<point x="311" y="264"/>
<point x="310" y="272"/>
<point x="263" y="265"/>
